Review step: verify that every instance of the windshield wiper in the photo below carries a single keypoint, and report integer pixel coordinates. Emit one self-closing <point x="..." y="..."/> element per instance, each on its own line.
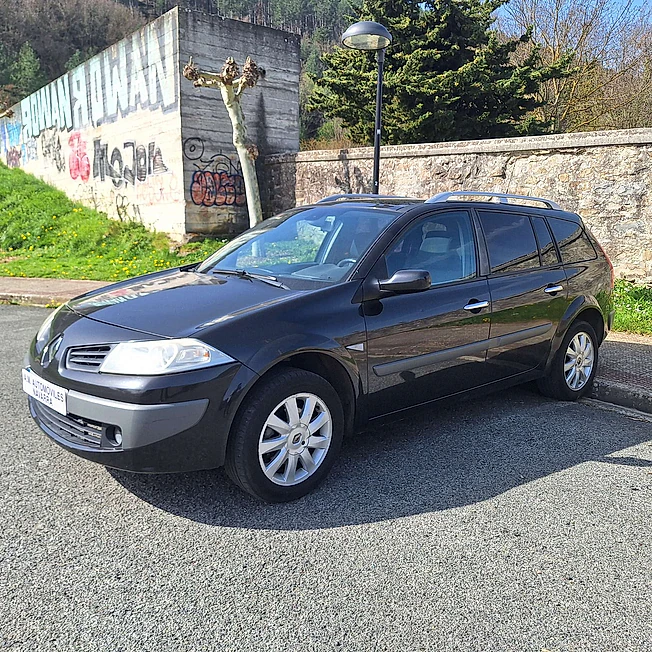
<point x="243" y="273"/>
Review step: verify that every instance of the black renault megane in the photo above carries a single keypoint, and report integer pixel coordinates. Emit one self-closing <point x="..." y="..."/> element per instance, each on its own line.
<point x="314" y="322"/>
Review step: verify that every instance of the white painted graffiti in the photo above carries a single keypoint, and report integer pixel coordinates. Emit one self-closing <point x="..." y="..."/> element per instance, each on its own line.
<point x="136" y="73"/>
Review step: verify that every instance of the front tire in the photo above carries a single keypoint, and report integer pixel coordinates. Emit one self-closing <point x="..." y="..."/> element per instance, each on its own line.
<point x="573" y="370"/>
<point x="286" y="436"/>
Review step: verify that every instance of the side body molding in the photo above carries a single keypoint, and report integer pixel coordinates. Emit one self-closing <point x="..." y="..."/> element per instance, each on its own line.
<point x="418" y="361"/>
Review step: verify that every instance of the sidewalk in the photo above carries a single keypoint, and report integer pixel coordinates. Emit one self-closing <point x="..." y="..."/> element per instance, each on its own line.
<point x="624" y="373"/>
<point x="43" y="291"/>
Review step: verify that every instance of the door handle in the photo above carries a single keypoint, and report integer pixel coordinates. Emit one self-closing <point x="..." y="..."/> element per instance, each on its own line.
<point x="477" y="305"/>
<point x="553" y="289"/>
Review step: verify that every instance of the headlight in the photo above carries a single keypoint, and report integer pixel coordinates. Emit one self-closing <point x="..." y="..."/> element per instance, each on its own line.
<point x="161" y="357"/>
<point x="44" y="331"/>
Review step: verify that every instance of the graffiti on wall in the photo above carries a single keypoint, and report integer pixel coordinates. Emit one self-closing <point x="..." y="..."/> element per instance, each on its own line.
<point x="216" y="181"/>
<point x="15" y="151"/>
<point x="51" y="149"/>
<point x="13" y="157"/>
<point x="137" y="73"/>
<point x="127" y="164"/>
<point x="126" y="210"/>
<point x="78" y="162"/>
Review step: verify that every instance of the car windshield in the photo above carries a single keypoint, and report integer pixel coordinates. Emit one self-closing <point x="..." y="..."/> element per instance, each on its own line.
<point x="305" y="247"/>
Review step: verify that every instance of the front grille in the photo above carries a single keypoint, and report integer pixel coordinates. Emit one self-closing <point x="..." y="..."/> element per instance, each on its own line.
<point x="70" y="427"/>
<point x="87" y="358"/>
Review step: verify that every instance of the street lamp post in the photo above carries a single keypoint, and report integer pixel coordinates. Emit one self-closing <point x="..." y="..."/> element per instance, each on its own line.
<point x="370" y="36"/>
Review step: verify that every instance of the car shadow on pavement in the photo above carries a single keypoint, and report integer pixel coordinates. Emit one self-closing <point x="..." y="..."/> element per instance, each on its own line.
<point x="436" y="458"/>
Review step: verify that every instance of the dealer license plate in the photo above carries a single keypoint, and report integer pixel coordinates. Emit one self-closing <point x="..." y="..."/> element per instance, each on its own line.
<point x="45" y="392"/>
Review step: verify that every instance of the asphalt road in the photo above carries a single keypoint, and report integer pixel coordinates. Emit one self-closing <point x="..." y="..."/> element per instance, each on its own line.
<point x="510" y="523"/>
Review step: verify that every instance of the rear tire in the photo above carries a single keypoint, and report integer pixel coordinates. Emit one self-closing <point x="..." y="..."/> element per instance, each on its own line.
<point x="573" y="370"/>
<point x="286" y="436"/>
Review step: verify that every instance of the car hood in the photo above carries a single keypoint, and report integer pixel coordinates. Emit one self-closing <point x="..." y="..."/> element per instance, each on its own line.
<point x="177" y="303"/>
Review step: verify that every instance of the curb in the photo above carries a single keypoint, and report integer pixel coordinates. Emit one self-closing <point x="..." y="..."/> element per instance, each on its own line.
<point x="45" y="292"/>
<point x="38" y="300"/>
<point x="627" y="396"/>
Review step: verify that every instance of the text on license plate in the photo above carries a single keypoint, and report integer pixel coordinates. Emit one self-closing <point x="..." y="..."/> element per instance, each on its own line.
<point x="45" y="392"/>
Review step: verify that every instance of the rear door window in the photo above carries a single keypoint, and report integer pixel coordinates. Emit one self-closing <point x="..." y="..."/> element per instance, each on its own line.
<point x="510" y="241"/>
<point x="573" y="242"/>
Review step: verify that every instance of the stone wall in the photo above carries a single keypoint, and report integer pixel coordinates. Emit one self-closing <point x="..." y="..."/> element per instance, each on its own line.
<point x="604" y="176"/>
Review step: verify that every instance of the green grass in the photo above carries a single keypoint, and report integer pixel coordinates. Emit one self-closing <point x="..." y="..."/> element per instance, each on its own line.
<point x="43" y="233"/>
<point x="633" y="308"/>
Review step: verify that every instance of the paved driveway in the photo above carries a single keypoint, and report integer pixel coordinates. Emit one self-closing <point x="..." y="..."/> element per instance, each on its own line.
<point x="509" y="523"/>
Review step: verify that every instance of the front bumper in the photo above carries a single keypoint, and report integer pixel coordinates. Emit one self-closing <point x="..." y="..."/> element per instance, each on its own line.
<point x="156" y="437"/>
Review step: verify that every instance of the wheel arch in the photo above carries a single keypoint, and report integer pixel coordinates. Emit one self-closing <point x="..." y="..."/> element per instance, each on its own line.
<point x="341" y="375"/>
<point x="583" y="308"/>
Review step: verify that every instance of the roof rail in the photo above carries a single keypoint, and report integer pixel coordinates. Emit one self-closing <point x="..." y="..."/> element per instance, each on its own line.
<point x="360" y="195"/>
<point x="501" y="197"/>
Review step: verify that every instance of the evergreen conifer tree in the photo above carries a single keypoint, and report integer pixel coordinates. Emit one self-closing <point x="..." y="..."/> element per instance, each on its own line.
<point x="26" y="73"/>
<point x="448" y="76"/>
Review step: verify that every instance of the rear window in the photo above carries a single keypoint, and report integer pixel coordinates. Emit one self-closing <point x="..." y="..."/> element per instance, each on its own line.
<point x="574" y="244"/>
<point x="510" y="241"/>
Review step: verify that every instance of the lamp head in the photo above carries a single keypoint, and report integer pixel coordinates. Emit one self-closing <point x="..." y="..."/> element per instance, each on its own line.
<point x="366" y="35"/>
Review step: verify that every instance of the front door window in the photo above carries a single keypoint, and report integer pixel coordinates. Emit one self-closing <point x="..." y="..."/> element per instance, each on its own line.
<point x="441" y="244"/>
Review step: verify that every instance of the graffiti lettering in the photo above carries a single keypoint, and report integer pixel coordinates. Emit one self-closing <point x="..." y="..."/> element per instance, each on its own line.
<point x="137" y="73"/>
<point x="9" y="135"/>
<point x="87" y="194"/>
<point x="78" y="161"/>
<point x="127" y="165"/>
<point x="30" y="151"/>
<point x="126" y="211"/>
<point x="217" y="181"/>
<point x="162" y="189"/>
<point x="13" y="157"/>
<point x="217" y="189"/>
<point x="51" y="149"/>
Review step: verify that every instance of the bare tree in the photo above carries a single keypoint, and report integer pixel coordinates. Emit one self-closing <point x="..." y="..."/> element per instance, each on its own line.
<point x="232" y="87"/>
<point x="611" y="47"/>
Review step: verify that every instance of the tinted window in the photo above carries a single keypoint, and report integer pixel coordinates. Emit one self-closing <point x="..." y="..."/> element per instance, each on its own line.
<point x="510" y="241"/>
<point x="304" y="247"/>
<point x="442" y="244"/>
<point x="573" y="242"/>
<point x="546" y="245"/>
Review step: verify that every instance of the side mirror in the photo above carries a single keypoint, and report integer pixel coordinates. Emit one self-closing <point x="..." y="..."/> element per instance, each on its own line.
<point x="406" y="280"/>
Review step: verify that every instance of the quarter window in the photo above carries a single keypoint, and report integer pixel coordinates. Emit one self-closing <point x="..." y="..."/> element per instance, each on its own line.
<point x="441" y="244"/>
<point x="573" y="242"/>
<point x="546" y="245"/>
<point x="510" y="241"/>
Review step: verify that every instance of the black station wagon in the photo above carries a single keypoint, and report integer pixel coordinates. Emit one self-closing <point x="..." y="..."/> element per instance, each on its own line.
<point x="316" y="321"/>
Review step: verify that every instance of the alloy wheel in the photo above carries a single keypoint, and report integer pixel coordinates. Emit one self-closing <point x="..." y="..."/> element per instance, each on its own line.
<point x="579" y="361"/>
<point x="295" y="439"/>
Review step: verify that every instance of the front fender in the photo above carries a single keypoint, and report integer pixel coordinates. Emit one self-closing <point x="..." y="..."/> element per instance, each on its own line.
<point x="274" y="353"/>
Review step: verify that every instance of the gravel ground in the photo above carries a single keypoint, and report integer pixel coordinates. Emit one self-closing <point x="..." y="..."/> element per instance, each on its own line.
<point x="508" y="523"/>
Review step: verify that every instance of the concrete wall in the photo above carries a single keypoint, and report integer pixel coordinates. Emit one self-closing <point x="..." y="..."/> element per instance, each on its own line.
<point x="109" y="132"/>
<point x="212" y="176"/>
<point x="604" y="176"/>
<point x="126" y="134"/>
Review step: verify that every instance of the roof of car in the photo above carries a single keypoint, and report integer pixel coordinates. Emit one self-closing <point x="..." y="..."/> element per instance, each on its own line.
<point x="479" y="198"/>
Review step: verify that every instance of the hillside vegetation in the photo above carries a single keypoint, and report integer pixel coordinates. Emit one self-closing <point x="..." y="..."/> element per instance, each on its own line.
<point x="45" y="234"/>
